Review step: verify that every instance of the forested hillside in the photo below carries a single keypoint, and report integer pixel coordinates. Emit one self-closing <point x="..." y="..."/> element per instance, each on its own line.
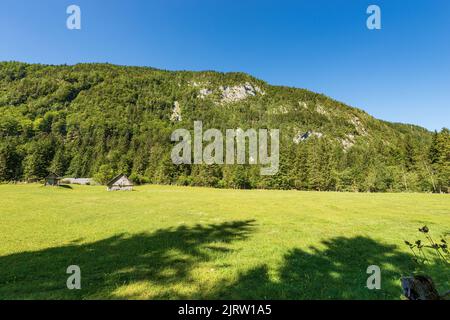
<point x="99" y="120"/>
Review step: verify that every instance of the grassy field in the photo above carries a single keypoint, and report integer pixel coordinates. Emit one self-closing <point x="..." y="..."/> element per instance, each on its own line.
<point x="163" y="242"/>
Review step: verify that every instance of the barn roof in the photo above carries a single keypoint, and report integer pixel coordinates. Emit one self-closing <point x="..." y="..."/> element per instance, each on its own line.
<point x="116" y="178"/>
<point x="53" y="175"/>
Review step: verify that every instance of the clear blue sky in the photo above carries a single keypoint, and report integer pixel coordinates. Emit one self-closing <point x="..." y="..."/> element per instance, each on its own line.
<point x="400" y="73"/>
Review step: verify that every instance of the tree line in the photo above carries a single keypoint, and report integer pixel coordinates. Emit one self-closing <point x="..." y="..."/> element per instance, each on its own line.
<point x="98" y="120"/>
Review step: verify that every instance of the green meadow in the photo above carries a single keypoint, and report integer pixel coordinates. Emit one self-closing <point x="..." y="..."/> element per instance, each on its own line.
<point x="167" y="242"/>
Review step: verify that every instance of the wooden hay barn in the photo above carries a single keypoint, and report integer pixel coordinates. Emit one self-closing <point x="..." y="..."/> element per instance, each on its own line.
<point x="52" y="180"/>
<point x="120" y="183"/>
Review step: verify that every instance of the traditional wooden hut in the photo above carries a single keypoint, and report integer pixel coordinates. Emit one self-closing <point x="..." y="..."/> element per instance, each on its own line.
<point x="52" y="179"/>
<point x="120" y="183"/>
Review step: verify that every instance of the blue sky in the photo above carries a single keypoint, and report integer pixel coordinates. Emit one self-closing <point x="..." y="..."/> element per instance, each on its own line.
<point x="400" y="73"/>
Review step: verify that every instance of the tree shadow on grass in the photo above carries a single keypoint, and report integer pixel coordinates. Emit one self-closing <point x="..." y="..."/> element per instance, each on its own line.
<point x="164" y="257"/>
<point x="336" y="271"/>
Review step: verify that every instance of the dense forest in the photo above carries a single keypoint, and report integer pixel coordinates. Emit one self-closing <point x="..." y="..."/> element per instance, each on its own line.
<point x="97" y="120"/>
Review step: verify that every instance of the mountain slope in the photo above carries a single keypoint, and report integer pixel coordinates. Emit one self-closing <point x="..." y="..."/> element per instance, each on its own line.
<point x="101" y="119"/>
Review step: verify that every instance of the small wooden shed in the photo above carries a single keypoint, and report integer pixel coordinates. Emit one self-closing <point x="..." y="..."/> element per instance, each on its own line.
<point x="52" y="179"/>
<point x="120" y="183"/>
